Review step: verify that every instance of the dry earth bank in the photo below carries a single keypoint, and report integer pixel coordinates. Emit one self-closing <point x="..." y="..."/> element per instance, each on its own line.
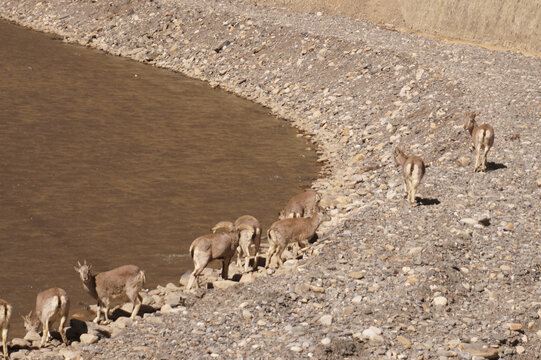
<point x="508" y="24"/>
<point x="456" y="277"/>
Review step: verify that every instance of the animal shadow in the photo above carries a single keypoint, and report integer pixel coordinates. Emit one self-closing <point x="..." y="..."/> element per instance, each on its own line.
<point x="144" y="309"/>
<point x="427" y="201"/>
<point x="492" y="166"/>
<point x="313" y="239"/>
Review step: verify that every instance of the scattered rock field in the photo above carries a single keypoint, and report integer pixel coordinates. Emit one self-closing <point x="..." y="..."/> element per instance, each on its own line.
<point x="456" y="277"/>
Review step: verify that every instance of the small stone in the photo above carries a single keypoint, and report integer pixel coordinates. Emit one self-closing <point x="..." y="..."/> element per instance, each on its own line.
<point x="122" y="322"/>
<point x="539" y="182"/>
<point x="404" y="341"/>
<point x="22" y="343"/>
<point x="440" y="301"/>
<point x="509" y="227"/>
<point x="224" y="284"/>
<point x="515" y="327"/>
<point x="325" y="320"/>
<point x="246" y="314"/>
<point x="478" y="349"/>
<point x="88" y="339"/>
<point x="373" y="334"/>
<point x="166" y="309"/>
<point x="184" y="278"/>
<point x="70" y="354"/>
<point x="296" y="348"/>
<point x="356" y="275"/>
<point x="247" y="278"/>
<point x="19" y="355"/>
<point x="520" y="349"/>
<point x="468" y="221"/>
<point x="325" y="341"/>
<point x="464" y="161"/>
<point x="348" y="310"/>
<point x="261" y="323"/>
<point x="357" y="300"/>
<point x="174" y="300"/>
<point x="32" y="336"/>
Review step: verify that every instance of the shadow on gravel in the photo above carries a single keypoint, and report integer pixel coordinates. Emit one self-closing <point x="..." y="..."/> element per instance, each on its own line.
<point x="492" y="166"/>
<point x="341" y="348"/>
<point x="427" y="201"/>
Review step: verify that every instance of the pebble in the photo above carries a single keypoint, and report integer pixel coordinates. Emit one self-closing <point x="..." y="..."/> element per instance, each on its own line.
<point x="88" y="339"/>
<point x="482" y="350"/>
<point x="373" y="334"/>
<point x="356" y="274"/>
<point x="326" y="320"/>
<point x="296" y="348"/>
<point x="440" y="301"/>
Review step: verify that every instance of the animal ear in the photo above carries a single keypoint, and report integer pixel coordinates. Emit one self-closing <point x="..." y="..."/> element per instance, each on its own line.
<point x="76" y="268"/>
<point x="27" y="317"/>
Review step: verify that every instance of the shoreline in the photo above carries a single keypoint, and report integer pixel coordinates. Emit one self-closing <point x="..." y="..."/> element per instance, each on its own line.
<point x="357" y="91"/>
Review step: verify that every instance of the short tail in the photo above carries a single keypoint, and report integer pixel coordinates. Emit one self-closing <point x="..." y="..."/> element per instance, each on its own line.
<point x="269" y="236"/>
<point x="191" y="250"/>
<point x="64" y="304"/>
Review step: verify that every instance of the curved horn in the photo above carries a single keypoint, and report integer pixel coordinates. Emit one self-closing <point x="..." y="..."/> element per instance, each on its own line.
<point x="242" y="227"/>
<point x="227" y="225"/>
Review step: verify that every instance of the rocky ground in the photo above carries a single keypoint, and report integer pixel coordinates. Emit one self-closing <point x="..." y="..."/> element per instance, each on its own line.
<point x="456" y="277"/>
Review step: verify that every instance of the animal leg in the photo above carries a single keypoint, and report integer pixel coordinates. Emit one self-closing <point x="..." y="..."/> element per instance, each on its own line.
<point x="107" y="321"/>
<point x="279" y="252"/>
<point x="477" y="155"/>
<point x="45" y="335"/>
<point x="190" y="281"/>
<point x="199" y="266"/>
<point x="98" y="314"/>
<point x="272" y="250"/>
<point x="256" y="257"/>
<point x="246" y="251"/>
<point x="484" y="159"/>
<point x="225" y="268"/>
<point x="194" y="278"/>
<point x="412" y="192"/>
<point x="407" y="186"/>
<point x="136" y="307"/>
<point x="4" y="341"/>
<point x="239" y="256"/>
<point x="62" y="330"/>
<point x="257" y="244"/>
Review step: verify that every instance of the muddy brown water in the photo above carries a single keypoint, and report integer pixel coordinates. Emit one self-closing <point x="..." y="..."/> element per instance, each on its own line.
<point x="117" y="162"/>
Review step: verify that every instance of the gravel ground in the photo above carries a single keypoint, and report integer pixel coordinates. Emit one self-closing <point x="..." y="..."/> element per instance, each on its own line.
<point x="455" y="277"/>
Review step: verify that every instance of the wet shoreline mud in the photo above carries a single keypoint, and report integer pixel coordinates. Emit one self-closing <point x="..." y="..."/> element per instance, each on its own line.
<point x="455" y="276"/>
